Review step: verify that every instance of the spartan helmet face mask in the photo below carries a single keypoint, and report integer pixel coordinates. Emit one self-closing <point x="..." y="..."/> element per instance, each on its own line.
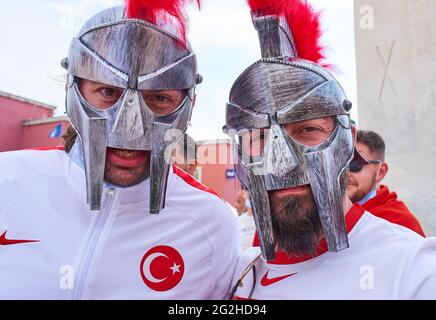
<point x="277" y="90"/>
<point x="133" y="55"/>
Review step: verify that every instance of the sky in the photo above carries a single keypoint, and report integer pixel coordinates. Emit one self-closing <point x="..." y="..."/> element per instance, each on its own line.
<point x="35" y="36"/>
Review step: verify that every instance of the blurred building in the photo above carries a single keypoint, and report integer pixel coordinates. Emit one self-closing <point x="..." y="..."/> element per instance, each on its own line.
<point x="209" y="161"/>
<point x="25" y="123"/>
<point x="396" y="78"/>
<point x="215" y="168"/>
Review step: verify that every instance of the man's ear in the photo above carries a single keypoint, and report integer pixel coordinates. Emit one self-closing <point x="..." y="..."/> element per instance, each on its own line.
<point x="384" y="168"/>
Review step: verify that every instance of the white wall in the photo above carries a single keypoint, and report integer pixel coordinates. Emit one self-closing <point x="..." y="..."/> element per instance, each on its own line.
<point x="397" y="95"/>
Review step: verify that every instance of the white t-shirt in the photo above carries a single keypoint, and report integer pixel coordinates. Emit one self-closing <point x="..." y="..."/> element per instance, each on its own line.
<point x="247" y="230"/>
<point x="188" y="251"/>
<point x="384" y="261"/>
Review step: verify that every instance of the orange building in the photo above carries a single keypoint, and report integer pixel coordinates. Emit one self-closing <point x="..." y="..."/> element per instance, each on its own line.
<point x="25" y="123"/>
<point x="215" y="168"/>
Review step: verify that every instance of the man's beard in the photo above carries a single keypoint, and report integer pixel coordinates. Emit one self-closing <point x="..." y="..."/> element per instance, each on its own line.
<point x="296" y="224"/>
<point x="361" y="192"/>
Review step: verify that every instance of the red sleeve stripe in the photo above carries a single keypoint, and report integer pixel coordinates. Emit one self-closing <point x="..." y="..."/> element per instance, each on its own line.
<point x="241" y="299"/>
<point x="193" y="182"/>
<point x="47" y="148"/>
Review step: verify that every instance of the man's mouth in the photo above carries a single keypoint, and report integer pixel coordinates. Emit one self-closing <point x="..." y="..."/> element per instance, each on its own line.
<point x="292" y="191"/>
<point x="126" y="158"/>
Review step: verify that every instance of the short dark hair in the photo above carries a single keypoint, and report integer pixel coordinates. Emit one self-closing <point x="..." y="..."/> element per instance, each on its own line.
<point x="69" y="138"/>
<point x="373" y="141"/>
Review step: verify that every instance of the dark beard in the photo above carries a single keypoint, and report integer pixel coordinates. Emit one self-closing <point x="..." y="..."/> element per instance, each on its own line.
<point x="296" y="224"/>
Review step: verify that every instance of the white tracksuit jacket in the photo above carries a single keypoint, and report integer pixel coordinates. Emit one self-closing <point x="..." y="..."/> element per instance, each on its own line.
<point x="385" y="261"/>
<point x="188" y="251"/>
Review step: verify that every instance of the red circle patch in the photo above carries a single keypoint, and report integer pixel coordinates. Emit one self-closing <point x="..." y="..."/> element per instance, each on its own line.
<point x="162" y="268"/>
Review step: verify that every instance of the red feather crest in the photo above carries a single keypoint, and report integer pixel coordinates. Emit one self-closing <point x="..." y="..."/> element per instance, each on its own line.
<point x="152" y="10"/>
<point x="303" y="21"/>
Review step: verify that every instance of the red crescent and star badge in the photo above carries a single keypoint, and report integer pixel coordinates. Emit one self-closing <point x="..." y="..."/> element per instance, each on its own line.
<point x="162" y="268"/>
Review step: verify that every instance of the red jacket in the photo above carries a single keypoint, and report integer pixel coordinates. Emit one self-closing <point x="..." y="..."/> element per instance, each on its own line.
<point x="385" y="205"/>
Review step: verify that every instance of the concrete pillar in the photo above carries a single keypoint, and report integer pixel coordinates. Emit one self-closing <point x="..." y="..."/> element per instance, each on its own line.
<point x="396" y="81"/>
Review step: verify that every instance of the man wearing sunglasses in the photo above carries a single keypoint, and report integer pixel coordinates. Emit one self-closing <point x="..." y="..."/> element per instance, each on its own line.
<point x="367" y="169"/>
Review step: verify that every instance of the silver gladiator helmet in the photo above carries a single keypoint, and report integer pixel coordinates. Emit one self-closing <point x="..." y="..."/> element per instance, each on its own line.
<point x="134" y="55"/>
<point x="282" y="88"/>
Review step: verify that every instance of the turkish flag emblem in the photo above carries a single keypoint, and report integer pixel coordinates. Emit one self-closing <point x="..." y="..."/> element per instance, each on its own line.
<point x="162" y="268"/>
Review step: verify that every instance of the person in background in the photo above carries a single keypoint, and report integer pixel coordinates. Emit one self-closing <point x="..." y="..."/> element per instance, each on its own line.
<point x="241" y="202"/>
<point x="247" y="227"/>
<point x="367" y="170"/>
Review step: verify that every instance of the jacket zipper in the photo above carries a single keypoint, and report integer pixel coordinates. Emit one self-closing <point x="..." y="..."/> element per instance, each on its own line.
<point x="91" y="244"/>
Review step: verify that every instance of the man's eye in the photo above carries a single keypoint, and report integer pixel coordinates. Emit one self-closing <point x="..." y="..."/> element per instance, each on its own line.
<point x="162" y="102"/>
<point x="108" y="92"/>
<point x="160" y="98"/>
<point x="310" y="129"/>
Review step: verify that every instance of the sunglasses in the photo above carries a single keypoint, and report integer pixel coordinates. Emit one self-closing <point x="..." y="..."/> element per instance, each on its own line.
<point x="358" y="162"/>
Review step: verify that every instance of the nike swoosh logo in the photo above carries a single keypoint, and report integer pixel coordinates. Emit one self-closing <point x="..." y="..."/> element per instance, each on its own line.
<point x="267" y="282"/>
<point x="7" y="242"/>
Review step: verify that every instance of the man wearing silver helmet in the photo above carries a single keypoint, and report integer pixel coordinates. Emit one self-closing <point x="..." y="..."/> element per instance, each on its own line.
<point x="293" y="140"/>
<point x="110" y="218"/>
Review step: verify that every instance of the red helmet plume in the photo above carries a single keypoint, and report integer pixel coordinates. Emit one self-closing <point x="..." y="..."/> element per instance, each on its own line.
<point x="150" y="10"/>
<point x="303" y="21"/>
